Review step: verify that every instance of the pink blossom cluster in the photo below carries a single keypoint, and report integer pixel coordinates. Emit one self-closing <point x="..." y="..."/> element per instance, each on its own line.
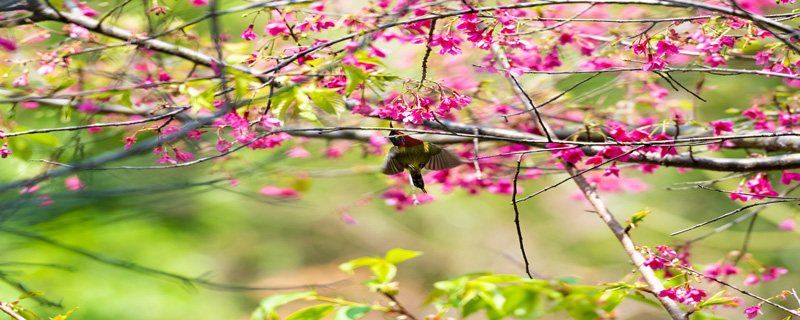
<point x="400" y="199"/>
<point x="757" y="187"/>
<point x="420" y="109"/>
<point x="685" y="294"/>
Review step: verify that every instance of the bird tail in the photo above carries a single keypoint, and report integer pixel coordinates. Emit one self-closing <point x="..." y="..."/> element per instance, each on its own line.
<point x="416" y="179"/>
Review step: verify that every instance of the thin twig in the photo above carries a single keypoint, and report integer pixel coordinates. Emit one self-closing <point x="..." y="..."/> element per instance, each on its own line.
<point x="516" y="219"/>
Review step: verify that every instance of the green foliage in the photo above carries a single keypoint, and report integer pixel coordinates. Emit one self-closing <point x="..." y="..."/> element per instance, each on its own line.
<point x="266" y="309"/>
<point x="637" y="218"/>
<point x="498" y="296"/>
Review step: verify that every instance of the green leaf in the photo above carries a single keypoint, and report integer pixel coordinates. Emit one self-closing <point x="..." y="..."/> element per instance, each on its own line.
<point x="638" y="217"/>
<point x="613" y="299"/>
<point x="398" y="255"/>
<point x="718" y="299"/>
<point x="499" y="278"/>
<point x="30" y="294"/>
<point x="351" y="313"/>
<point x="328" y="100"/>
<point x="66" y="315"/>
<point x="312" y="313"/>
<point x="203" y="100"/>
<point x="268" y="305"/>
<point x="472" y="306"/>
<point x="305" y="107"/>
<point x="705" y="316"/>
<point x="384" y="272"/>
<point x="125" y="99"/>
<point x="360" y="262"/>
<point x="282" y="100"/>
<point x="355" y="77"/>
<point x="364" y="57"/>
<point x="242" y="83"/>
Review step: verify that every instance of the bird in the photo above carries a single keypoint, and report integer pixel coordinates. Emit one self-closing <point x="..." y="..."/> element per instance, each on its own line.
<point x="415" y="155"/>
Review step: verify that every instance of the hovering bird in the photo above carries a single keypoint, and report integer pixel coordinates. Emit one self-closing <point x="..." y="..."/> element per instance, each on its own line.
<point x="415" y="155"/>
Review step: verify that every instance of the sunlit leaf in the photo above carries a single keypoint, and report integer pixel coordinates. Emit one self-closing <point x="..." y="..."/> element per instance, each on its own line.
<point x="360" y="262"/>
<point x="282" y="99"/>
<point x="328" y="100"/>
<point x="351" y="312"/>
<point x="312" y="313"/>
<point x="65" y="316"/>
<point x="355" y="77"/>
<point x="398" y="255"/>
<point x="384" y="272"/>
<point x="268" y="305"/>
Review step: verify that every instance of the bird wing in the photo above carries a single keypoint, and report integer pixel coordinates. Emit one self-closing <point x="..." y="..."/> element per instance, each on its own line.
<point x="443" y="160"/>
<point x="390" y="165"/>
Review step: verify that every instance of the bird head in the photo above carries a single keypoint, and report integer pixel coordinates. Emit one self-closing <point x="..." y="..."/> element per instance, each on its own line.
<point x="395" y="137"/>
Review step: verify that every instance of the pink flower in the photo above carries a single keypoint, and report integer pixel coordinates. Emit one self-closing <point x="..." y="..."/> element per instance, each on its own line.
<point x="666" y="48"/>
<point x="449" y="44"/>
<point x="333" y="152"/>
<point x="88" y="107"/>
<point x="694" y="295"/>
<point x="400" y="200"/>
<point x="45" y="69"/>
<point x="269" y="122"/>
<point x="573" y="155"/>
<point x="21" y="81"/>
<point x="721" y="126"/>
<point x="198" y="3"/>
<point x="789" y="176"/>
<point x="289" y="193"/>
<point x="195" y="134"/>
<point x="248" y="34"/>
<point x="714" y="60"/>
<point x="158" y="10"/>
<point x="182" y="156"/>
<point x="348" y="219"/>
<point x="76" y="31"/>
<point x="46" y="200"/>
<point x="8" y="44"/>
<point x="298" y="152"/>
<point x="773" y="273"/>
<point x="648" y="168"/>
<point x="87" y="11"/>
<point x="753" y="311"/>
<point x="166" y="158"/>
<point x="667" y="252"/>
<point x="4" y="152"/>
<point x="737" y="196"/>
<point x="787" y="225"/>
<point x="223" y="145"/>
<point x="654" y="64"/>
<point x="129" y="141"/>
<point x="29" y="105"/>
<point x="30" y="189"/>
<point x="762" y="57"/>
<point x="750" y="279"/>
<point x="502" y="186"/>
<point x="669" y="293"/>
<point x="612" y="170"/>
<point x="276" y="27"/>
<point x="754" y="113"/>
<point x="74" y="184"/>
<point x="594" y="160"/>
<point x="163" y="76"/>
<point x="654" y="263"/>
